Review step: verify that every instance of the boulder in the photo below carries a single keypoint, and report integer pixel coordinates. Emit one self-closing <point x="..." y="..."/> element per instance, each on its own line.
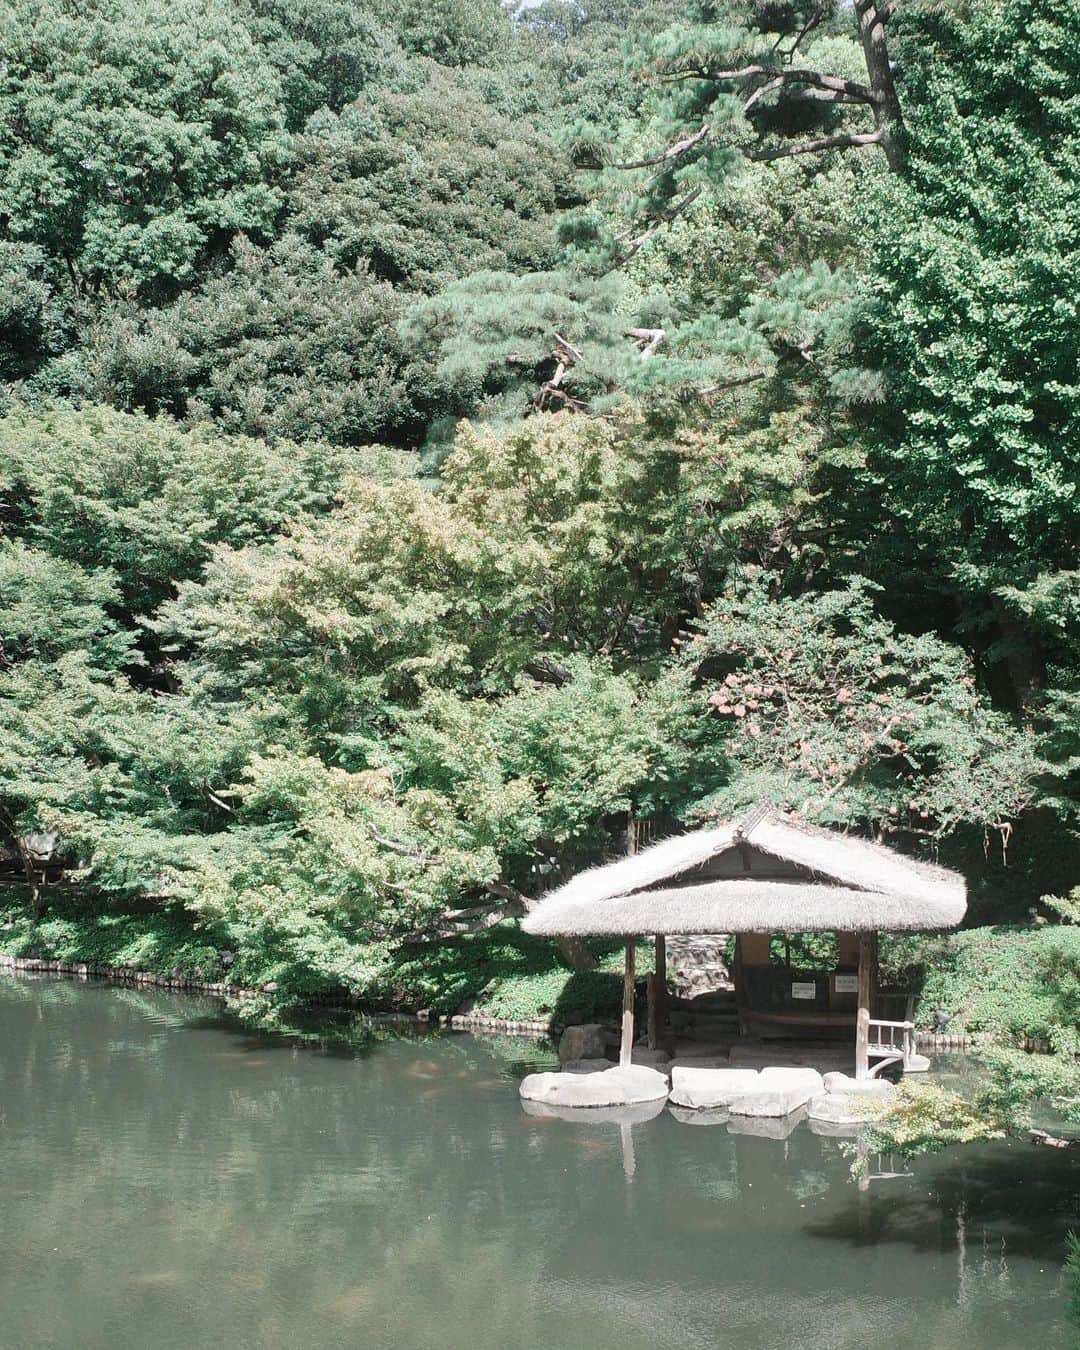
<point x="779" y="1091"/>
<point x="706" y="1089"/>
<point x="847" y="1108"/>
<point x="655" y="1059"/>
<point x="837" y="1084"/>
<point x="609" y="1087"/>
<point x="587" y="1041"/>
<point x="587" y="1065"/>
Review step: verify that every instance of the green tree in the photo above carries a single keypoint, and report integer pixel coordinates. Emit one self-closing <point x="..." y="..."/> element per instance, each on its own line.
<point x="453" y="32"/>
<point x="279" y="345"/>
<point x="972" y="455"/>
<point x="427" y="183"/>
<point x="824" y="706"/>
<point x="134" y="138"/>
<point x="146" y="499"/>
<point x="325" y="52"/>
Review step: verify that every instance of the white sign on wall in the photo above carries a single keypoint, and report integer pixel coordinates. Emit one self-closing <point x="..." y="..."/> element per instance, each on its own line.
<point x="846" y="984"/>
<point x="799" y="990"/>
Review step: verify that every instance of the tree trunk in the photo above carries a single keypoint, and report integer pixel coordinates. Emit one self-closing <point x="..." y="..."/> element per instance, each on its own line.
<point x="574" y="952"/>
<point x="1021" y="657"/>
<point x="880" y="76"/>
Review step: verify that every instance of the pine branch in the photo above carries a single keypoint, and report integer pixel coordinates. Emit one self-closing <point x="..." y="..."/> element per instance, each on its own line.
<point x="672" y="152"/>
<point x="846" y="141"/>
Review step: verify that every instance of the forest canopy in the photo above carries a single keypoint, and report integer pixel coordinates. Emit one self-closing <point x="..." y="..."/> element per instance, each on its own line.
<point x="432" y="435"/>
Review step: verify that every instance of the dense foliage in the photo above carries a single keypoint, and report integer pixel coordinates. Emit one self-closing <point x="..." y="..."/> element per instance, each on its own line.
<point x="429" y="436"/>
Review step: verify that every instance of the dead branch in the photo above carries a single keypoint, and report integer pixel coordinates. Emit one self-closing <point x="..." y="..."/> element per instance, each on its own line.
<point x="647" y="340"/>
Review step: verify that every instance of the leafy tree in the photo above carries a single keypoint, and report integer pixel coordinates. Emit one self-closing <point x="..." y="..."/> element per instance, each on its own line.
<point x="827" y="708"/>
<point x="146" y="499"/>
<point x="49" y="606"/>
<point x="33" y="324"/>
<point x="453" y="32"/>
<point x="972" y="456"/>
<point x="325" y="52"/>
<point x="279" y="345"/>
<point x="427" y="183"/>
<point x="135" y="137"/>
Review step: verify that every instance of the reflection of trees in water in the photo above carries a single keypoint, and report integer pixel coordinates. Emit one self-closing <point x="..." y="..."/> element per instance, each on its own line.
<point x="203" y="1183"/>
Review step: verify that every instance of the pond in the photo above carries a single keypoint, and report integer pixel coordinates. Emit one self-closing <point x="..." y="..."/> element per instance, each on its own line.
<point x="173" y="1179"/>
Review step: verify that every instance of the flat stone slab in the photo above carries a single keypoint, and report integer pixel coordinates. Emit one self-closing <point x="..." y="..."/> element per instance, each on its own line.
<point x="701" y="1062"/>
<point x="839" y="1084"/>
<point x="705" y="1089"/>
<point x="610" y="1087"/>
<point x="636" y="1114"/>
<point x="776" y="1076"/>
<point x="829" y="1129"/>
<point x="775" y="1101"/>
<point x="779" y="1091"/>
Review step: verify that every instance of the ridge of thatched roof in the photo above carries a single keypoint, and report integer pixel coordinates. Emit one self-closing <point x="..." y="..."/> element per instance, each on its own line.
<point x="828" y="880"/>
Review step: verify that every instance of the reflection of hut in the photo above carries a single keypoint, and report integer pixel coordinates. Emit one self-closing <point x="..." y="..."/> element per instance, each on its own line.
<point x="767" y="873"/>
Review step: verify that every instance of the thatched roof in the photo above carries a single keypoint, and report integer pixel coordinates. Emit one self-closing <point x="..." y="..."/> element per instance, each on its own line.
<point x="767" y="872"/>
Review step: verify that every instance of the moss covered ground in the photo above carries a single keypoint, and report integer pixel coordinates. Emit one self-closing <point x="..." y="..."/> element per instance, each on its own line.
<point x="1012" y="982"/>
<point x="501" y="973"/>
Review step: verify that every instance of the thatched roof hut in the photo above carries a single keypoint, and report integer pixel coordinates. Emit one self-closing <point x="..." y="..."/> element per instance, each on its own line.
<point x="766" y="872"/>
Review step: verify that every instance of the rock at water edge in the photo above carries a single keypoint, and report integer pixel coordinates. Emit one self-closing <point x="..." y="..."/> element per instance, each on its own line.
<point x="706" y="1089"/>
<point x="587" y="1041"/>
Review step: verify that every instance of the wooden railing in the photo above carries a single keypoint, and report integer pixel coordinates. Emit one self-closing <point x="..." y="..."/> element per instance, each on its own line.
<point x="891" y="1040"/>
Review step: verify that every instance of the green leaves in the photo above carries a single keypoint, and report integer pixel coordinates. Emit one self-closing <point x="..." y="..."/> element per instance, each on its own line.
<point x="971" y="318"/>
<point x="826" y="708"/>
<point x="147" y="499"/>
<point x="133" y="135"/>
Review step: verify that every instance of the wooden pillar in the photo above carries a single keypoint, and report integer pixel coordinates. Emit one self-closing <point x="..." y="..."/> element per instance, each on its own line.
<point x="657" y="990"/>
<point x="862" y="1021"/>
<point x="627" y="1046"/>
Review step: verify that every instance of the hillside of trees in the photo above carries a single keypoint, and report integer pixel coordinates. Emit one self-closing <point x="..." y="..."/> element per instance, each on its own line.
<point x="429" y="436"/>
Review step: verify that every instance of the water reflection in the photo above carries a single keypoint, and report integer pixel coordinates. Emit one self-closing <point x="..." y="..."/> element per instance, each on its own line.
<point x="170" y="1177"/>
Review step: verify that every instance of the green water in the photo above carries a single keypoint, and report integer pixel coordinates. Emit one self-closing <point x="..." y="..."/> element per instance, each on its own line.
<point x="172" y="1180"/>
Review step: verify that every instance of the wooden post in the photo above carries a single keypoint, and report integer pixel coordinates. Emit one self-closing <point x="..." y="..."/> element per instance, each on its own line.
<point x="737" y="981"/>
<point x="656" y="987"/>
<point x="862" y="1022"/>
<point x="627" y="1047"/>
<point x="660" y="977"/>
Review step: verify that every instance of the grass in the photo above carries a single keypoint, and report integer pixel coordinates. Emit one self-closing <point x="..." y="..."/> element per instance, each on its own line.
<point x="506" y="973"/>
<point x="160" y="941"/>
<point x="501" y="973"/>
<point x="1013" y="981"/>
